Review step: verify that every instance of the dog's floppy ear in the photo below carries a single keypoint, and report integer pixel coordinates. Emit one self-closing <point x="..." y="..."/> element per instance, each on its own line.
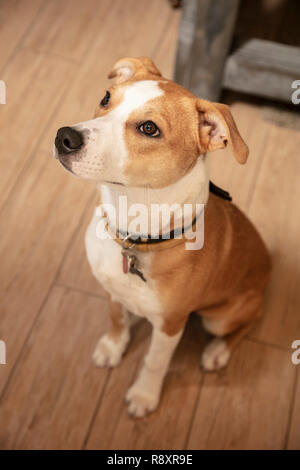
<point x="217" y="128"/>
<point x="130" y="67"/>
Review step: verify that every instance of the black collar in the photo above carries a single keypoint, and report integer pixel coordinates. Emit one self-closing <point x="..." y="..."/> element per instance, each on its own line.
<point x="173" y="233"/>
<point x="160" y="238"/>
<point x="219" y="192"/>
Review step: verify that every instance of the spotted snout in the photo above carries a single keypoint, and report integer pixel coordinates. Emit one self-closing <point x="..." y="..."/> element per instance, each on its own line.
<point x="68" y="142"/>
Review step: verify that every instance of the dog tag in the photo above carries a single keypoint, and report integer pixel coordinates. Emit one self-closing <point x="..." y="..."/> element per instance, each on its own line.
<point x="129" y="264"/>
<point x="128" y="261"/>
<point x="125" y="263"/>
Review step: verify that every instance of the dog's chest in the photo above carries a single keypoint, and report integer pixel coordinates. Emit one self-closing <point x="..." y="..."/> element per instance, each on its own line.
<point x="105" y="258"/>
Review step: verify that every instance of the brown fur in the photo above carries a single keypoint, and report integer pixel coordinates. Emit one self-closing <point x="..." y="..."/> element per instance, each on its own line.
<point x="117" y="321"/>
<point x="161" y="161"/>
<point x="223" y="281"/>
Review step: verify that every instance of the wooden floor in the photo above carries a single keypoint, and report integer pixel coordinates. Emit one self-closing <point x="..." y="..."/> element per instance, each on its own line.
<point x="54" y="58"/>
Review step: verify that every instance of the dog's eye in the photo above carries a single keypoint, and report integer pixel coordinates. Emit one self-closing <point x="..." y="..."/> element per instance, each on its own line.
<point x="149" y="128"/>
<point x="105" y="100"/>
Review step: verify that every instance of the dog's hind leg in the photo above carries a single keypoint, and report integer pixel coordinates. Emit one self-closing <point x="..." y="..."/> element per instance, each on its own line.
<point x="230" y="323"/>
<point x="112" y="345"/>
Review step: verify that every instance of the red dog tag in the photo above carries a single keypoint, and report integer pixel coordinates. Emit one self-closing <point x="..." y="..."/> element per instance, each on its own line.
<point x="125" y="264"/>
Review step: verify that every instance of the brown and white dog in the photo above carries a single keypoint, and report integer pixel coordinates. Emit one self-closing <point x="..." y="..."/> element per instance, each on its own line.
<point x="148" y="142"/>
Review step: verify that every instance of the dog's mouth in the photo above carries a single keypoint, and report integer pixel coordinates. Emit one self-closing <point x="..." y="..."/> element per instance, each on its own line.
<point x="65" y="165"/>
<point x="114" y="182"/>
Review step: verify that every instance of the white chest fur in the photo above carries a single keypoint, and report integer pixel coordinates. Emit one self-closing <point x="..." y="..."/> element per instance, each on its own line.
<point x="104" y="256"/>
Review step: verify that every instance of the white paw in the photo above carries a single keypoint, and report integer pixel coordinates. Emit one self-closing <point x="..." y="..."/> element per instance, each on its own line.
<point x="216" y="355"/>
<point x="140" y="402"/>
<point x="108" y="353"/>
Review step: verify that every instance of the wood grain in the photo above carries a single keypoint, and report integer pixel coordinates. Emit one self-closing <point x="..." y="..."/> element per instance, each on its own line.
<point x="165" y="51"/>
<point x="71" y="29"/>
<point x="293" y="442"/>
<point x="51" y="398"/>
<point x="240" y="180"/>
<point x="16" y="17"/>
<point x="30" y="103"/>
<point x="274" y="209"/>
<point x="247" y="405"/>
<point x="75" y="271"/>
<point x="33" y="246"/>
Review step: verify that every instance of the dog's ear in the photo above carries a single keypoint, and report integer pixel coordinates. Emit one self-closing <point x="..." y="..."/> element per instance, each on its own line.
<point x="217" y="128"/>
<point x="130" y="67"/>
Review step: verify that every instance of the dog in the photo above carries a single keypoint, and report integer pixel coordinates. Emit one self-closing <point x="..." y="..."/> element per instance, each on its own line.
<point x="148" y="142"/>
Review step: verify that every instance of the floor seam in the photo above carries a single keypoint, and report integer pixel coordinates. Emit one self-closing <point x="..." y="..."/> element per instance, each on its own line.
<point x="266" y="343"/>
<point x="96" y="410"/>
<point x="81" y="291"/>
<point x="257" y="171"/>
<point x="26" y="339"/>
<point x="72" y="239"/>
<point x="190" y="428"/>
<point x="31" y="154"/>
<point x="291" y="411"/>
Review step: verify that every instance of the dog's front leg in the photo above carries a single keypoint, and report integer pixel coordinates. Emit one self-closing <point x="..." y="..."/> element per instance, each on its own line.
<point x="112" y="345"/>
<point x="143" y="396"/>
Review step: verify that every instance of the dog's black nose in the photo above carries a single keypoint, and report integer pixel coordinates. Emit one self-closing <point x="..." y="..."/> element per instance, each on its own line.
<point x="68" y="140"/>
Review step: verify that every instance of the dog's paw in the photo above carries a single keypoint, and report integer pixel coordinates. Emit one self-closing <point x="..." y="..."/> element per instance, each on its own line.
<point x="140" y="402"/>
<point x="108" y="353"/>
<point x="216" y="355"/>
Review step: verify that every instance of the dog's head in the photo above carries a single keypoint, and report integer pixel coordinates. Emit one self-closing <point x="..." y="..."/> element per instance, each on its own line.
<point x="147" y="131"/>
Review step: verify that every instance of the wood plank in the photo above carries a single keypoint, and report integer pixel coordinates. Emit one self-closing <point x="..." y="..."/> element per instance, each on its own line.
<point x="168" y="426"/>
<point x="30" y="102"/>
<point x="72" y="26"/>
<point x="247" y="405"/>
<point x="55" y="388"/>
<point x="263" y="68"/>
<point x="75" y="271"/>
<point x="16" y="18"/>
<point x="164" y="55"/>
<point x="46" y="208"/>
<point x="205" y="35"/>
<point x="274" y="210"/>
<point x="294" y="434"/>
